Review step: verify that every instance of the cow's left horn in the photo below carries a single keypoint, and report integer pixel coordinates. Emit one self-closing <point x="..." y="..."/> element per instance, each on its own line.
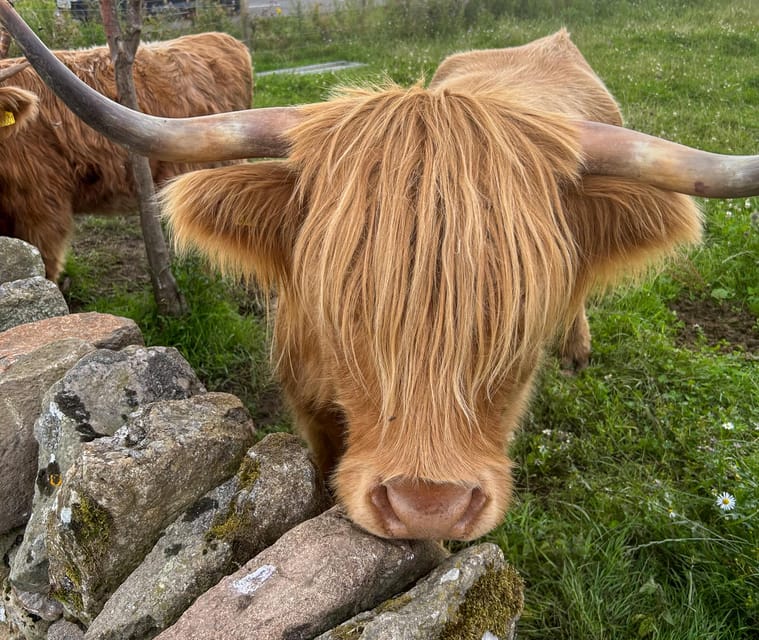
<point x="615" y="151"/>
<point x="255" y="133"/>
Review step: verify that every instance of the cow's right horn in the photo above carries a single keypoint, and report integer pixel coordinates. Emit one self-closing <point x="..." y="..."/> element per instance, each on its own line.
<point x="255" y="133"/>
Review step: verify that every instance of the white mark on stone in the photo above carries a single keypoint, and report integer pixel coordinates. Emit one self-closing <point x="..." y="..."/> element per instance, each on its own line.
<point x="489" y="636"/>
<point x="450" y="575"/>
<point x="248" y="585"/>
<point x="3" y="617"/>
<point x="66" y="515"/>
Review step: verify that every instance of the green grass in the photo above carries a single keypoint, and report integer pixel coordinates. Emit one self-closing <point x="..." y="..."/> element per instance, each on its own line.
<point x="614" y="524"/>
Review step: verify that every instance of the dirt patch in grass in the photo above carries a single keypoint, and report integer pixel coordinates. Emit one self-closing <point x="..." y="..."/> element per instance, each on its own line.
<point x="717" y="324"/>
<point x="113" y="250"/>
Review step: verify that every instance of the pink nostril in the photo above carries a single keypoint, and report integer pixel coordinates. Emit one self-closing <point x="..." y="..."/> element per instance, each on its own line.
<point x="418" y="509"/>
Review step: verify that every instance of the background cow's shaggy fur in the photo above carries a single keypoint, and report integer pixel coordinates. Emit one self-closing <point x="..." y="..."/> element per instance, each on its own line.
<point x="427" y="245"/>
<point x="58" y="166"/>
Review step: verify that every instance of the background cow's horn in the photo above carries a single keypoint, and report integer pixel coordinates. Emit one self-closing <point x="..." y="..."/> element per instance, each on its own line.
<point x="615" y="151"/>
<point x="11" y="71"/>
<point x="225" y="136"/>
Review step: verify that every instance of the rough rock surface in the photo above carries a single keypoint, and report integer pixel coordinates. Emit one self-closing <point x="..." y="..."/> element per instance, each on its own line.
<point x="180" y="567"/>
<point x="75" y="411"/>
<point x="9" y="542"/>
<point x="123" y="490"/>
<point x="30" y="614"/>
<point x="22" y="387"/>
<point x="19" y="260"/>
<point x="30" y="300"/>
<point x="319" y="573"/>
<point x="469" y="595"/>
<point x="276" y="487"/>
<point x="101" y="330"/>
<point x="64" y="630"/>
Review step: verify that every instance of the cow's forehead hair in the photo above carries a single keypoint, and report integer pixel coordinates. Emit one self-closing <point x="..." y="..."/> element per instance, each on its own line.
<point x="434" y="246"/>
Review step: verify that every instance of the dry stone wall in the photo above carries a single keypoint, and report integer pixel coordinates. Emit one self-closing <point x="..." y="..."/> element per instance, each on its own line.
<point x="134" y="504"/>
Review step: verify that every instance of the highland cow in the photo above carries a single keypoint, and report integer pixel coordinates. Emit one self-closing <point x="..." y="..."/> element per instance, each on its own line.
<point x="59" y="167"/>
<point x="427" y="246"/>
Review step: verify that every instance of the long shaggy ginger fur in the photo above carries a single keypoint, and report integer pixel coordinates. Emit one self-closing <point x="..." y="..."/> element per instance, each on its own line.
<point x="57" y="166"/>
<point x="427" y="244"/>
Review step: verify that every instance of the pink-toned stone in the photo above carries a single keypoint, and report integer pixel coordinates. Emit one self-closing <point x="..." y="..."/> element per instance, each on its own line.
<point x="315" y="576"/>
<point x="101" y="330"/>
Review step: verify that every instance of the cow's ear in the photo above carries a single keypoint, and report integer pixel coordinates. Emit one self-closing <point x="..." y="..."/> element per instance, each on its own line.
<point x="620" y="226"/>
<point x="18" y="108"/>
<point x="245" y="217"/>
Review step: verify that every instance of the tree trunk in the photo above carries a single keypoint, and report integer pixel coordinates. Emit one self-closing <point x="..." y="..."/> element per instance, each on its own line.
<point x="5" y="39"/>
<point x="123" y="46"/>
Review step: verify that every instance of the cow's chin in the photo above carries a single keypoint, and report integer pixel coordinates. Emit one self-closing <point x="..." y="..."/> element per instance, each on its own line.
<point x="456" y="508"/>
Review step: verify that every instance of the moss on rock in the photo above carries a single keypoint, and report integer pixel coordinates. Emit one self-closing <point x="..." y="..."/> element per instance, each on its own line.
<point x="233" y="525"/>
<point x="491" y="604"/>
<point x="226" y="527"/>
<point x="393" y="604"/>
<point x="90" y="524"/>
<point x="248" y="473"/>
<point x="68" y="591"/>
<point x="347" y="631"/>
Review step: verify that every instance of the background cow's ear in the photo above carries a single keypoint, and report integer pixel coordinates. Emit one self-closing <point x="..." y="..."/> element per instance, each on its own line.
<point x="245" y="217"/>
<point x="620" y="225"/>
<point x="18" y="108"/>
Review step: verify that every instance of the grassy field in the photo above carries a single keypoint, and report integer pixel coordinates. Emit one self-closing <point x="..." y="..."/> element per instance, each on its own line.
<point x="616" y="525"/>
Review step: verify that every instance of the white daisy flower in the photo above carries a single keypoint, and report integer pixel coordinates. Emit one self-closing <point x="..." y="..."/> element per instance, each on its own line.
<point x="725" y="501"/>
<point x="728" y="426"/>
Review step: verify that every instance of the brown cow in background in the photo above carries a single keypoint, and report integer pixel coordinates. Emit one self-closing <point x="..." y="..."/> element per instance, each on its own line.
<point x="58" y="166"/>
<point x="427" y="245"/>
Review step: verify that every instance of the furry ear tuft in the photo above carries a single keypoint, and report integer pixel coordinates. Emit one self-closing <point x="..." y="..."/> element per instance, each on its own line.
<point x="621" y="226"/>
<point x="18" y="108"/>
<point x="244" y="217"/>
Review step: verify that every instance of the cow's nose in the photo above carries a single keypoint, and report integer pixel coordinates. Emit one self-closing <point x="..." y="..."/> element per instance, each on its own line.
<point x="427" y="510"/>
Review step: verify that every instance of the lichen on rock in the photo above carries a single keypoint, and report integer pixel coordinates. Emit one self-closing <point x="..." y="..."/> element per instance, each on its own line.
<point x="493" y="603"/>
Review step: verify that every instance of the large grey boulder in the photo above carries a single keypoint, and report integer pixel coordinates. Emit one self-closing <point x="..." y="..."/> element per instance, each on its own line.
<point x="29" y="300"/>
<point x="317" y="574"/>
<point x="93" y="400"/>
<point x="473" y="594"/>
<point x="101" y="330"/>
<point x="122" y="491"/>
<point x="19" y="260"/>
<point x="22" y="387"/>
<point x="276" y="487"/>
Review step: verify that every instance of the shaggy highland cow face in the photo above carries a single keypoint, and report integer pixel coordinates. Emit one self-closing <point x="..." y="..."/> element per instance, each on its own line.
<point x="429" y="275"/>
<point x="423" y="259"/>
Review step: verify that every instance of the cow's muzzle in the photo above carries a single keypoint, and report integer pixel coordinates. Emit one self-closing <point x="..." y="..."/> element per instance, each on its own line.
<point x="427" y="510"/>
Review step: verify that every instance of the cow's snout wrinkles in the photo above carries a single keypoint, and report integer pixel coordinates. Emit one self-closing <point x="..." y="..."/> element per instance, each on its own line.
<point x="427" y="510"/>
